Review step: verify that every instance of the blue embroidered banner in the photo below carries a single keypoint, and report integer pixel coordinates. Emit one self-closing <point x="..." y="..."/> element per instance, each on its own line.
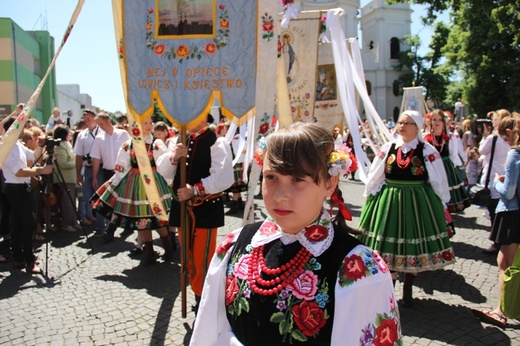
<point x="184" y="54"/>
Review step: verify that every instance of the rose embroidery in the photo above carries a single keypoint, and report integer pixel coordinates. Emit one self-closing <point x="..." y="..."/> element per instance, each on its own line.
<point x="316" y="233"/>
<point x="182" y="51"/>
<point x="304" y="286"/>
<point x="268" y="229"/>
<point x="231" y="289"/>
<point x="386" y="333"/>
<point x="354" y="268"/>
<point x="242" y="267"/>
<point x="225" y="245"/>
<point x="159" y="49"/>
<point x="309" y="317"/>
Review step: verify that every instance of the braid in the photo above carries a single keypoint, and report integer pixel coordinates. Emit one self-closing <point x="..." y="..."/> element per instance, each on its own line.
<point x="339" y="221"/>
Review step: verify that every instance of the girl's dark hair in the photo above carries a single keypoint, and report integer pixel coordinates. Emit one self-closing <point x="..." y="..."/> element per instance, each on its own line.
<point x="61" y="132"/>
<point x="512" y="123"/>
<point x="303" y="149"/>
<point x="161" y="126"/>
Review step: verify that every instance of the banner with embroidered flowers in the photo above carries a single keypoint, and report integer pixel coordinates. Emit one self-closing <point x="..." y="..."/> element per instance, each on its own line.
<point x="186" y="54"/>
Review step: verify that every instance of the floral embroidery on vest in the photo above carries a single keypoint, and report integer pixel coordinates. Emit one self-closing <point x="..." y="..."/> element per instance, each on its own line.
<point x="301" y="305"/>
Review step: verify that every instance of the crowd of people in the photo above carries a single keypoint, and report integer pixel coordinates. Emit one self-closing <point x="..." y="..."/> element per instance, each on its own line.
<point x="301" y="260"/>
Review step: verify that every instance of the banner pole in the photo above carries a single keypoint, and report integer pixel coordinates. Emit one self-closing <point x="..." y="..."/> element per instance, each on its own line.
<point x="184" y="228"/>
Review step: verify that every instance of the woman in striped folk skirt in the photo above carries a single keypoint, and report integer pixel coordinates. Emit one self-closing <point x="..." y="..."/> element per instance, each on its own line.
<point x="123" y="200"/>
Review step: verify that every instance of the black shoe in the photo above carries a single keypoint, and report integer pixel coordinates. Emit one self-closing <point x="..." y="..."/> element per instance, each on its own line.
<point x="135" y="251"/>
<point x="108" y="237"/>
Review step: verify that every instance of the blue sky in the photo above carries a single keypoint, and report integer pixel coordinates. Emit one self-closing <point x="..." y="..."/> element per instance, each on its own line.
<point x="89" y="57"/>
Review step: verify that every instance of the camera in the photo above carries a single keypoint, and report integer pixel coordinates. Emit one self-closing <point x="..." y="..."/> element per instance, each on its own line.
<point x="87" y="159"/>
<point x="50" y="143"/>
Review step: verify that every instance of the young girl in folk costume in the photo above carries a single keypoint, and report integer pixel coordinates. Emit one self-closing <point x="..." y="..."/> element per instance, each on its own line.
<point x="403" y="218"/>
<point x="123" y="200"/>
<point x="299" y="276"/>
<point x="447" y="145"/>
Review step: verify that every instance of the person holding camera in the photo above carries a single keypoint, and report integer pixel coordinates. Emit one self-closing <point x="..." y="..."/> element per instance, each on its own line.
<point x="84" y="171"/>
<point x="17" y="173"/>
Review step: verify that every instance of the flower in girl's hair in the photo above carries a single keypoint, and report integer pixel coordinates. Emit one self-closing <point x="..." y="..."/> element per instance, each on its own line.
<point x="339" y="161"/>
<point x="261" y="146"/>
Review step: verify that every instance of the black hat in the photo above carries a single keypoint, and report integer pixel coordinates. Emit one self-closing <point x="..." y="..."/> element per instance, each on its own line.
<point x="210" y="118"/>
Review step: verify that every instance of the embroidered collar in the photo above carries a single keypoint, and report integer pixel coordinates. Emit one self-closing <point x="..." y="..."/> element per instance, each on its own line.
<point x="315" y="237"/>
<point x="406" y="146"/>
<point x="194" y="135"/>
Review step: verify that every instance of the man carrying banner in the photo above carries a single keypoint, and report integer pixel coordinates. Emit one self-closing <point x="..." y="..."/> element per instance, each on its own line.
<point x="209" y="171"/>
<point x="17" y="176"/>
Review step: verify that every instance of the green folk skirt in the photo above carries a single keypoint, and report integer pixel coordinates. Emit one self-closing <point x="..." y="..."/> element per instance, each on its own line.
<point x="405" y="224"/>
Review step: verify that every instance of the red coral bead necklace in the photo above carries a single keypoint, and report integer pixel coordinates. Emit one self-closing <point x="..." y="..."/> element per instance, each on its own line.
<point x="404" y="163"/>
<point x="285" y="273"/>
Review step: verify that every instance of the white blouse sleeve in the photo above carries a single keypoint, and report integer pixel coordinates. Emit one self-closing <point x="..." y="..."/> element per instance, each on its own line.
<point x="376" y="175"/>
<point x="211" y="325"/>
<point x="365" y="309"/>
<point x="454" y="144"/>
<point x="436" y="172"/>
<point x="159" y="151"/>
<point x="221" y="171"/>
<point x="123" y="164"/>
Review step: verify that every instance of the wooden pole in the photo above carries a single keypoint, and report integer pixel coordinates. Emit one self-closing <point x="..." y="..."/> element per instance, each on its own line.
<point x="184" y="229"/>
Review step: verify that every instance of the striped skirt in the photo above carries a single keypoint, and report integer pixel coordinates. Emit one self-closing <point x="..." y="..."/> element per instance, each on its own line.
<point x="405" y="224"/>
<point x="126" y="203"/>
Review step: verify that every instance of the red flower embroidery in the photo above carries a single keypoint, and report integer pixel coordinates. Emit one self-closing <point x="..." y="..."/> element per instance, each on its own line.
<point x="221" y="7"/>
<point x="304" y="286"/>
<point x="268" y="26"/>
<point x="150" y="10"/>
<point x="381" y="154"/>
<point x="447" y="255"/>
<point x="147" y="180"/>
<point x="416" y="161"/>
<point x="316" y="233"/>
<point x="418" y="171"/>
<point x="263" y="128"/>
<point x="156" y="209"/>
<point x="267" y="229"/>
<point x="354" y="268"/>
<point x="159" y="49"/>
<point x="279" y="46"/>
<point x="308" y="317"/>
<point x="231" y="289"/>
<point x="117" y="168"/>
<point x="431" y="157"/>
<point x="386" y="333"/>
<point x="226" y="244"/>
<point x="136" y="132"/>
<point x="224" y="23"/>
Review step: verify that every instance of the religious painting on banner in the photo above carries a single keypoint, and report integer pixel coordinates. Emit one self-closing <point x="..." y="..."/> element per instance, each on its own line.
<point x="327" y="107"/>
<point x="299" y="47"/>
<point x="184" y="55"/>
<point x="413" y="100"/>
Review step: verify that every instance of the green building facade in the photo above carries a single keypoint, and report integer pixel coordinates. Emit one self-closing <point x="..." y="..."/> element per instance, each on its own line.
<point x="24" y="59"/>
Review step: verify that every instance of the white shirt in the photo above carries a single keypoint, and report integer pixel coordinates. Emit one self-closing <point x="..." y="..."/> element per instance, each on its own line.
<point x="16" y="160"/>
<point x="85" y="141"/>
<point x="499" y="160"/>
<point x="106" y="147"/>
<point x="52" y="121"/>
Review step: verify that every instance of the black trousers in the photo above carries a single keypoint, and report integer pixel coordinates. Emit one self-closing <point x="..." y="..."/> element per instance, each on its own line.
<point x="22" y="222"/>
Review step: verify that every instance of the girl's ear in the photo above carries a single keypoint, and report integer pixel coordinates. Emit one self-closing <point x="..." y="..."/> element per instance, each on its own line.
<point x="331" y="184"/>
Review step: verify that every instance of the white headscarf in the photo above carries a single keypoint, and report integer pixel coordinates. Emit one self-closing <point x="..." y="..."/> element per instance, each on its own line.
<point x="419" y="121"/>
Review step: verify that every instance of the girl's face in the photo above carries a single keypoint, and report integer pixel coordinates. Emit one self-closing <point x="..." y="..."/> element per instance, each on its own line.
<point x="437" y="124"/>
<point x="294" y="202"/>
<point x="509" y="137"/>
<point x="407" y="128"/>
<point x="147" y="126"/>
<point x="160" y="134"/>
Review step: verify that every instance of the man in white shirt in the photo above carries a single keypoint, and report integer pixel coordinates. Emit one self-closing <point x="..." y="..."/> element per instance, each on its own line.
<point x="82" y="148"/>
<point x="54" y="119"/>
<point x="17" y="174"/>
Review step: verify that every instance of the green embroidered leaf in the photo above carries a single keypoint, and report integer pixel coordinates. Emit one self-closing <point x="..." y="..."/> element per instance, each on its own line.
<point x="277" y="317"/>
<point x="244" y="304"/>
<point x="284" y="327"/>
<point x="379" y="319"/>
<point x="298" y="335"/>
<point x="231" y="309"/>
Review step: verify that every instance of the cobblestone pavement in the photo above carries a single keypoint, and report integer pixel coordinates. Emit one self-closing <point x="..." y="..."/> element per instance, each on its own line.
<point x="104" y="297"/>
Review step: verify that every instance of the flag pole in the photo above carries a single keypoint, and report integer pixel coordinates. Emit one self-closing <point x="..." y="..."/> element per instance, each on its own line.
<point x="185" y="230"/>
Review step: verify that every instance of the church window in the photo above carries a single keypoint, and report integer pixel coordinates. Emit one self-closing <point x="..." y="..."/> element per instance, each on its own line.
<point x="395" y="88"/>
<point x="396" y="112"/>
<point x="394" y="48"/>
<point x="369" y="87"/>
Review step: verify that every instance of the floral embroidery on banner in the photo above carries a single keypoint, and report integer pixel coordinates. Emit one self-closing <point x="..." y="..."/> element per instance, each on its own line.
<point x="193" y="51"/>
<point x="267" y="27"/>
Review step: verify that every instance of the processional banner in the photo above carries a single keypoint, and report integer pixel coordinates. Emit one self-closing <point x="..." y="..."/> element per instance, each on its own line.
<point x="327" y="106"/>
<point x="299" y="47"/>
<point x="413" y="100"/>
<point x="183" y="55"/>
